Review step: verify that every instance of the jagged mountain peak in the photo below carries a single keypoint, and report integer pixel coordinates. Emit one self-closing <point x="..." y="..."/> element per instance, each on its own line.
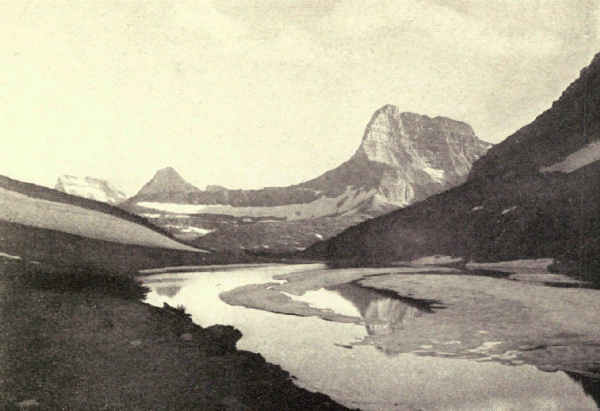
<point x="420" y="155"/>
<point x="166" y="180"/>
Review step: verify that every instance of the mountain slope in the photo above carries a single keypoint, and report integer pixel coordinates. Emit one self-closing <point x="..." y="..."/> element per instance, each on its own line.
<point x="402" y="158"/>
<point x="533" y="195"/>
<point x="89" y="187"/>
<point x="45" y="224"/>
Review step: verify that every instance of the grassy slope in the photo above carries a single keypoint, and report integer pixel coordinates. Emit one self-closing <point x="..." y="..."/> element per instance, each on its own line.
<point x="85" y="342"/>
<point x="44" y="193"/>
<point x="64" y="249"/>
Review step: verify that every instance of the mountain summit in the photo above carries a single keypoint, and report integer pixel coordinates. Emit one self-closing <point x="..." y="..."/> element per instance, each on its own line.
<point x="402" y="158"/>
<point x="416" y="155"/>
<point x="166" y="180"/>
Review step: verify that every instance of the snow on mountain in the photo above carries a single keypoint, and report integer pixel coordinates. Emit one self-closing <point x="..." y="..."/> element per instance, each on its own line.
<point x="580" y="158"/>
<point x="402" y="158"/>
<point x="89" y="187"/>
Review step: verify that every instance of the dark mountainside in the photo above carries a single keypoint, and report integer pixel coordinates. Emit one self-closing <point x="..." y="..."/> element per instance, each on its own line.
<point x="402" y="158"/>
<point x="528" y="197"/>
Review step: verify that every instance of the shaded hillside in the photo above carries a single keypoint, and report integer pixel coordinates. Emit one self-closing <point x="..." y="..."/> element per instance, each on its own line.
<point x="62" y="249"/>
<point x="46" y="225"/>
<point x="521" y="200"/>
<point x="44" y="193"/>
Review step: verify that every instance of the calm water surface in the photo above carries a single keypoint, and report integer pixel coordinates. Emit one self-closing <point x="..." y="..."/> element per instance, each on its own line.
<point x="321" y="356"/>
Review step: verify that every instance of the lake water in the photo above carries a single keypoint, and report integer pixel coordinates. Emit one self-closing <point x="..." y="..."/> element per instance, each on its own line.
<point x="327" y="356"/>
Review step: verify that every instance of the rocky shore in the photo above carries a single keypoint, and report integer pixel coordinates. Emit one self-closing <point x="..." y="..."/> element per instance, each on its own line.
<point x="85" y="341"/>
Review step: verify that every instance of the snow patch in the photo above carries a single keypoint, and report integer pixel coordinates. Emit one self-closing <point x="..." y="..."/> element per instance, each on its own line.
<point x="190" y="229"/>
<point x="148" y="215"/>
<point x="582" y="157"/>
<point x="435" y="173"/>
<point x="319" y="236"/>
<point x="508" y="210"/>
<point x="477" y="208"/>
<point x="9" y="256"/>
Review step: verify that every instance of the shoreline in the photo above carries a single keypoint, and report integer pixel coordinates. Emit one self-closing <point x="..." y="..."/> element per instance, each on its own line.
<point x="69" y="344"/>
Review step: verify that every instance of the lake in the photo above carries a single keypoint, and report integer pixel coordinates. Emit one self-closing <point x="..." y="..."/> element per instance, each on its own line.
<point x="374" y="348"/>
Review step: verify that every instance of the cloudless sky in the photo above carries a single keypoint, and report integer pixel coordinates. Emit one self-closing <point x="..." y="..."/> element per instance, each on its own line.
<point x="254" y="93"/>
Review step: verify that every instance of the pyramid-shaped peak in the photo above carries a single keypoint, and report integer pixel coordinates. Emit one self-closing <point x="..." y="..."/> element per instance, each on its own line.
<point x="167" y="180"/>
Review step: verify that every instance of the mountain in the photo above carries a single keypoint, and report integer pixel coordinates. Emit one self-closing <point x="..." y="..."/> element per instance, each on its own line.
<point x="533" y="195"/>
<point x="42" y="224"/>
<point x="166" y="181"/>
<point x="403" y="157"/>
<point x="92" y="188"/>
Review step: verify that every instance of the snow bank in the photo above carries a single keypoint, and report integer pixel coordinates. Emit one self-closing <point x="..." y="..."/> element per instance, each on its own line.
<point x="582" y="157"/>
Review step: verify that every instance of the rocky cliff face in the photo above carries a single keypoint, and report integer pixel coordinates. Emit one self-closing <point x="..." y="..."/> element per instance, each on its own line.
<point x="534" y="195"/>
<point x="92" y="188"/>
<point x="422" y="155"/>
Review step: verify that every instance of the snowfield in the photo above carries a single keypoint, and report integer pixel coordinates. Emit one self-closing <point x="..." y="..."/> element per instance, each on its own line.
<point x="323" y="206"/>
<point x="582" y="157"/>
<point x="22" y="209"/>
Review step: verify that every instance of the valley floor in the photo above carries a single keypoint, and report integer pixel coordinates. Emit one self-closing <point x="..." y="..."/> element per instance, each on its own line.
<point x="89" y="343"/>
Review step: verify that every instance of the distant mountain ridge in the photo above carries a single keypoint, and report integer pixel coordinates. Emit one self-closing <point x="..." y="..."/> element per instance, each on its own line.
<point x="403" y="157"/>
<point x="89" y="187"/>
<point x="533" y="195"/>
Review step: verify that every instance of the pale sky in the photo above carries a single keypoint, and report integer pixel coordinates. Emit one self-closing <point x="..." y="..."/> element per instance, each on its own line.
<point x="254" y="93"/>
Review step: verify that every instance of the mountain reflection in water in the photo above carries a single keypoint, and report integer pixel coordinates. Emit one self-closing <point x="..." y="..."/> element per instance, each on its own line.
<point x="384" y="311"/>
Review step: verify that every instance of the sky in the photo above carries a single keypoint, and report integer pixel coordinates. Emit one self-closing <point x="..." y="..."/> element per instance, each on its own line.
<point x="255" y="93"/>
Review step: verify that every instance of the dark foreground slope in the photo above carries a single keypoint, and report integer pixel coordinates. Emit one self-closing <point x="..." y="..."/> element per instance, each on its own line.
<point x="86" y="343"/>
<point x="534" y="195"/>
